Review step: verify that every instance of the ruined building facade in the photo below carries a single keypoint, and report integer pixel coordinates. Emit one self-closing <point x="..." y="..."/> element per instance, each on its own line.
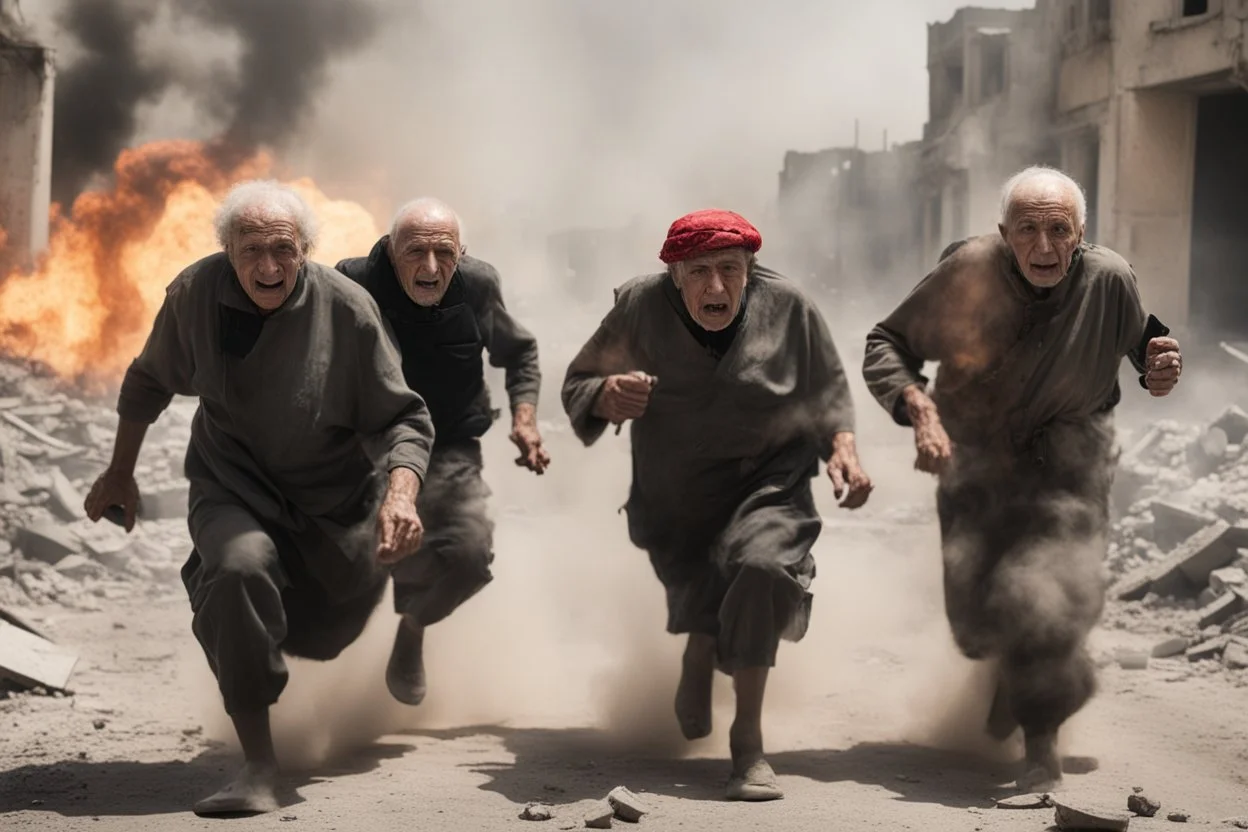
<point x="1145" y="102"/>
<point x="26" y="83"/>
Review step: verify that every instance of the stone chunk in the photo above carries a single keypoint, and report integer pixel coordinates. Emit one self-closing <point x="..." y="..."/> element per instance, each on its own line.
<point x="1178" y="817"/>
<point x="1221" y="609"/>
<point x="78" y="567"/>
<point x="537" y="811"/>
<point x="1222" y="580"/>
<point x="1072" y="815"/>
<point x="1133" y="660"/>
<point x="1234" y="423"/>
<point x="168" y="503"/>
<point x="28" y="660"/>
<point x="1172" y="524"/>
<point x="1186" y="570"/>
<point x="1235" y="657"/>
<point x="599" y="817"/>
<point x="1142" y="805"/>
<point x="1025" y="801"/>
<point x="1208" y="649"/>
<point x="64" y="499"/>
<point x="1170" y="647"/>
<point x="48" y="542"/>
<point x="1206" y="453"/>
<point x="628" y="807"/>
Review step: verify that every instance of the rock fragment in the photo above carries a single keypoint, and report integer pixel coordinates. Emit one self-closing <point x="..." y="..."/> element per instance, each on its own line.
<point x="599" y="817"/>
<point x="1025" y="801"/>
<point x="1073" y="815"/>
<point x="627" y="806"/>
<point x="1142" y="805"/>
<point x="537" y="811"/>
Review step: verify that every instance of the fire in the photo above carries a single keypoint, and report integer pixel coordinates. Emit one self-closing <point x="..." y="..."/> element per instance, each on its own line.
<point x="87" y="307"/>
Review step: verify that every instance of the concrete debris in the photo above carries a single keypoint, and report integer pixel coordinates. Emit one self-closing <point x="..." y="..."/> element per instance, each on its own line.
<point x="1210" y="649"/>
<point x="1078" y="815"/>
<point x="1170" y="647"/>
<point x="1221" y="608"/>
<point x="1172" y="523"/>
<point x="47" y="542"/>
<point x="1025" y="801"/>
<point x="1142" y="805"/>
<point x="1227" y="578"/>
<point x="1133" y="660"/>
<point x="1178" y="817"/>
<point x="1235" y="656"/>
<point x="628" y="807"/>
<point x="29" y="661"/>
<point x="1234" y="423"/>
<point x="537" y="811"/>
<point x="599" y="817"/>
<point x="64" y="499"/>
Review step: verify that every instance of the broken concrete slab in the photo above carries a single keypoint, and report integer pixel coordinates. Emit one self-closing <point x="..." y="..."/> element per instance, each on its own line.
<point x="1025" y="801"/>
<point x="78" y="567"/>
<point x="1207" y="452"/>
<point x="19" y="622"/>
<point x="28" y="660"/>
<point x="1185" y="571"/>
<point x="1079" y="815"/>
<point x="1173" y="523"/>
<point x="628" y="806"/>
<point x="1234" y="423"/>
<point x="1210" y="649"/>
<point x="599" y="817"/>
<point x="1220" y="609"/>
<point x="168" y="503"/>
<point x="1170" y="647"/>
<point x="1221" y="580"/>
<point x="47" y="542"/>
<point x="64" y="500"/>
<point x="1235" y="657"/>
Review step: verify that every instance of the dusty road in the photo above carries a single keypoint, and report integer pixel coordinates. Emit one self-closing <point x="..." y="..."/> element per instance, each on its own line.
<point x="555" y="685"/>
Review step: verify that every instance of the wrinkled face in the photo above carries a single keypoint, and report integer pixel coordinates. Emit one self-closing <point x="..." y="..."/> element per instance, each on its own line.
<point x="712" y="285"/>
<point x="266" y="253"/>
<point x="1043" y="231"/>
<point x="425" y="253"/>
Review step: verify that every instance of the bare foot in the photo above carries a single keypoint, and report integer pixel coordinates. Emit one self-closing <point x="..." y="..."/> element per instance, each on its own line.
<point x="405" y="674"/>
<point x="693" y="695"/>
<point x="252" y="792"/>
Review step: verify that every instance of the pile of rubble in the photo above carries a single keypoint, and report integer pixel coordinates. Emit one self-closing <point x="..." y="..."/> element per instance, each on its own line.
<point x="1182" y="543"/>
<point x="52" y="446"/>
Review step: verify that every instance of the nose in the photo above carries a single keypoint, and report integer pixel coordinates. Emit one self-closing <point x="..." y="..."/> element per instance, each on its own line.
<point x="431" y="263"/>
<point x="715" y="286"/>
<point x="1043" y="244"/>
<point x="268" y="263"/>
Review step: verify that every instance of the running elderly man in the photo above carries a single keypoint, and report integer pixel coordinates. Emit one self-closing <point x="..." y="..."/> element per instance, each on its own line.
<point x="1029" y="328"/>
<point x="737" y="392"/>
<point x="291" y="518"/>
<point x="444" y="308"/>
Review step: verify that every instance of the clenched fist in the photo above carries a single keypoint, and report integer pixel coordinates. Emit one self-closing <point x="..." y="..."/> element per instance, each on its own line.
<point x="624" y="397"/>
<point x="1163" y="365"/>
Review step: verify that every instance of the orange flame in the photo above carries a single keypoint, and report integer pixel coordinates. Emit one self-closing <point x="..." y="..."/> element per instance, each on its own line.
<point x="87" y="307"/>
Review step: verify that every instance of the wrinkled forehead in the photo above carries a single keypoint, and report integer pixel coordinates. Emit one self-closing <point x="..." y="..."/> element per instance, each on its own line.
<point x="1044" y="198"/>
<point x="266" y="222"/>
<point x="722" y="259"/>
<point x="427" y="231"/>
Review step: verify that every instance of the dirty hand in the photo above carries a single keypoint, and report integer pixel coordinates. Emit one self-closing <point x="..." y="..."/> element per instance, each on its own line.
<point x="848" y="478"/>
<point x="113" y="488"/>
<point x="525" y="436"/>
<point x="399" y="530"/>
<point x="930" y="440"/>
<point x="1163" y="365"/>
<point x="624" y="396"/>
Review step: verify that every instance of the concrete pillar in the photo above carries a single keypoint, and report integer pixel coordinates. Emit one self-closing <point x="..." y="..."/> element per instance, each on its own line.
<point x="26" y="87"/>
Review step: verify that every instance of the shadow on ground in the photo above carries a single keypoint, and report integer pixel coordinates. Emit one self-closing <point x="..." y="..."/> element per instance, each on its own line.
<point x="569" y="765"/>
<point x="122" y="788"/>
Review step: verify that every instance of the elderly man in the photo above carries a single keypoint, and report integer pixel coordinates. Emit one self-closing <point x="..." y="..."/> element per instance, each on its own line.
<point x="444" y="308"/>
<point x="737" y="392"/>
<point x="1029" y="328"/>
<point x="291" y="516"/>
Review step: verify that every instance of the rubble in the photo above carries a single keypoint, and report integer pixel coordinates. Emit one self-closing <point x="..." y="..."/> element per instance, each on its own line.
<point x="1069" y="814"/>
<point x="1178" y="817"/>
<point x="537" y="811"/>
<point x="1141" y="804"/>
<point x="628" y="807"/>
<point x="1025" y="801"/>
<point x="599" y="817"/>
<point x="28" y="660"/>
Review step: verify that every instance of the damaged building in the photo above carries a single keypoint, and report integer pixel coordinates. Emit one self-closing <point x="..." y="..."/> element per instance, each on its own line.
<point x="26" y="83"/>
<point x="1144" y="102"/>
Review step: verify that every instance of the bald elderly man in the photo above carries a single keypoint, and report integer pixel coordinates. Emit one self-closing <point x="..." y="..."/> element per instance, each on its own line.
<point x="1029" y="327"/>
<point x="293" y="520"/>
<point x="445" y="307"/>
<point x="735" y="392"/>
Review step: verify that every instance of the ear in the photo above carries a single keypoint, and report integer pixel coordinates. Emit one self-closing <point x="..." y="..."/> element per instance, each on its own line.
<point x="1004" y="234"/>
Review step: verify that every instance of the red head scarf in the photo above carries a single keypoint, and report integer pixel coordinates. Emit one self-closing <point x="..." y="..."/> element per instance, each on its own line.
<point x="705" y="231"/>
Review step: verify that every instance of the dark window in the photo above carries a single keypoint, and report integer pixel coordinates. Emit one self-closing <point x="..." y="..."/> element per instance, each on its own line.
<point x="1192" y="8"/>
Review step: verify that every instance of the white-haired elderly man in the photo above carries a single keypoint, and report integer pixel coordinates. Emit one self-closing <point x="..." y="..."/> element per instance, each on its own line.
<point x="292" y="517"/>
<point x="445" y="308"/>
<point x="1029" y="327"/>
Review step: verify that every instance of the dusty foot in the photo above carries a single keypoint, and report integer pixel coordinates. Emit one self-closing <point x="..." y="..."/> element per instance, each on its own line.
<point x="753" y="782"/>
<point x="1001" y="723"/>
<point x="253" y="791"/>
<point x="1042" y="771"/>
<point x="405" y="674"/>
<point x="693" y="695"/>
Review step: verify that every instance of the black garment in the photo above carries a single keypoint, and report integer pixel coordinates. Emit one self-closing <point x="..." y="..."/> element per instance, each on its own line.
<point x="442" y="345"/>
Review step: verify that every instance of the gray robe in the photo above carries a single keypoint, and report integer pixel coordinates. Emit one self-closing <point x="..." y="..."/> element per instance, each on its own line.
<point x="1025" y="389"/>
<point x="284" y="488"/>
<point x="723" y="457"/>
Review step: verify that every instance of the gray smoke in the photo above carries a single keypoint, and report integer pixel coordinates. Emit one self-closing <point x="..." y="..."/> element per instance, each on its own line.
<point x="285" y="49"/>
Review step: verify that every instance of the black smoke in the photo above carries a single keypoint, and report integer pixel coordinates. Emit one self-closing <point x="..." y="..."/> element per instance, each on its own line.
<point x="286" y="48"/>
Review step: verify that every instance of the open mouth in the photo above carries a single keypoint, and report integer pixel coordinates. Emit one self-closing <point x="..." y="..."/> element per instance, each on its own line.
<point x="1046" y="269"/>
<point x="428" y="285"/>
<point x="268" y="287"/>
<point x="715" y="309"/>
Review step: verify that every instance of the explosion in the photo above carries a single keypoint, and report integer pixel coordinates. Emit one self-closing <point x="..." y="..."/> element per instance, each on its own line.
<point x="86" y="308"/>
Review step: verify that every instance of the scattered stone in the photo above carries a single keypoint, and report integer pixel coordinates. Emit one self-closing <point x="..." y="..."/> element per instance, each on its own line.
<point x="1178" y="817"/>
<point x="1234" y="423"/>
<point x="1072" y="815"/>
<point x="1220" y="609"/>
<point x="1133" y="660"/>
<point x="1142" y="805"/>
<point x="599" y="817"/>
<point x="1186" y="570"/>
<point x="537" y="811"/>
<point x="48" y="542"/>
<point x="1236" y="655"/>
<point x="1170" y="647"/>
<point x="1210" y="649"/>
<point x="30" y="661"/>
<point x="1226" y="578"/>
<point x="64" y="500"/>
<point x="1025" y="801"/>
<point x="99" y="724"/>
<point x="628" y="807"/>
<point x="1172" y="524"/>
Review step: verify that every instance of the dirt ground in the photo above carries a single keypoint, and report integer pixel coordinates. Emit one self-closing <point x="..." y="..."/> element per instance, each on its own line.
<point x="556" y="684"/>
